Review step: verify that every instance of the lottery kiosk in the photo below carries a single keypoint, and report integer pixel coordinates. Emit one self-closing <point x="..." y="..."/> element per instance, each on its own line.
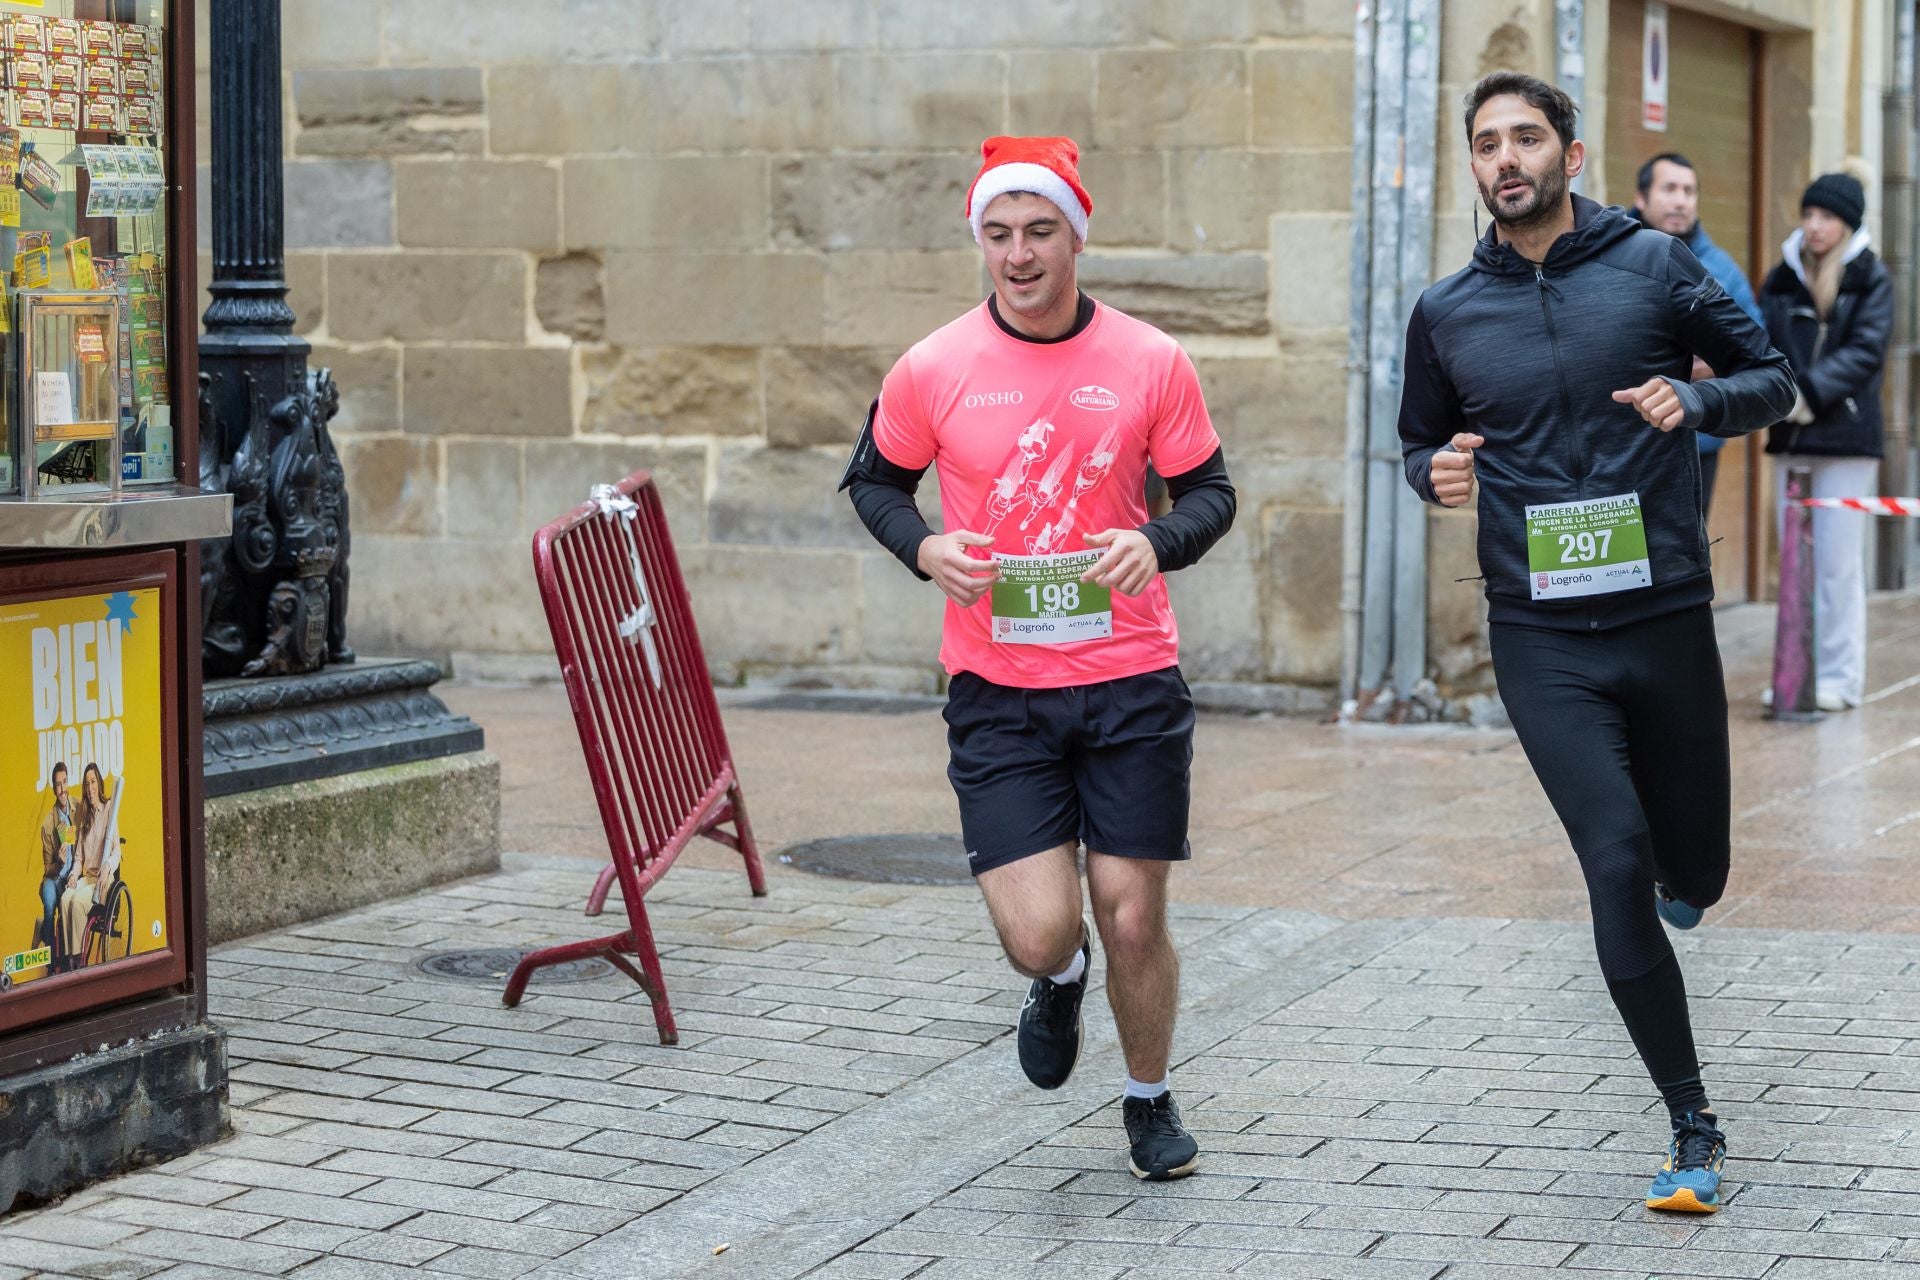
<point x="104" y="1047"/>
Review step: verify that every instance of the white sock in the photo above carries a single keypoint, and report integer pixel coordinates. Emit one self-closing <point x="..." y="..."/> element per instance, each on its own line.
<point x="1139" y="1089"/>
<point x="1072" y="972"/>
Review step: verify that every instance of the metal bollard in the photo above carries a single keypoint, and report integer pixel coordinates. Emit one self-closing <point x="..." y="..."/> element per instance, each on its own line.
<point x="1793" y="637"/>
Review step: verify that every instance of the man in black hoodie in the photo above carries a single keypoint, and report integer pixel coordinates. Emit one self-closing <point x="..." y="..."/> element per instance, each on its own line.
<point x="1553" y="370"/>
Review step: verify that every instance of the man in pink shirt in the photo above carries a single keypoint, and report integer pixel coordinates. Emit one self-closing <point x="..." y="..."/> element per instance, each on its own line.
<point x="1068" y="720"/>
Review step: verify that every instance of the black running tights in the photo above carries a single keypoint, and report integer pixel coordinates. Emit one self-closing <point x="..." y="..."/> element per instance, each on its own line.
<point x="1627" y="731"/>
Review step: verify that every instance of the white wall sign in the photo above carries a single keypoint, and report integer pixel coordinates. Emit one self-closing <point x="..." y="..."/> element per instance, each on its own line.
<point x="1654" y="58"/>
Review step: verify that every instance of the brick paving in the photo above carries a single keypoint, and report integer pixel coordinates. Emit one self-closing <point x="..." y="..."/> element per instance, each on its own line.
<point x="1384" y="1088"/>
<point x="1353" y="822"/>
<point x="1378" y="1098"/>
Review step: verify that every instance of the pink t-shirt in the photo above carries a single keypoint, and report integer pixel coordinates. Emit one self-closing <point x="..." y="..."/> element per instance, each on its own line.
<point x="1036" y="444"/>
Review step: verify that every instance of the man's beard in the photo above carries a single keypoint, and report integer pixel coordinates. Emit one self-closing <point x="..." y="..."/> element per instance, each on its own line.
<point x="1549" y="192"/>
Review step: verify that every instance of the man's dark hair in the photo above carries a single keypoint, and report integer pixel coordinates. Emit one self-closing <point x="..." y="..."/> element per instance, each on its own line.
<point x="59" y="767"/>
<point x="1644" y="183"/>
<point x="1537" y="93"/>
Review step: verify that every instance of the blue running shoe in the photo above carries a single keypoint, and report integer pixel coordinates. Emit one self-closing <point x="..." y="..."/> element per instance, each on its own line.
<point x="1675" y="912"/>
<point x="1689" y="1182"/>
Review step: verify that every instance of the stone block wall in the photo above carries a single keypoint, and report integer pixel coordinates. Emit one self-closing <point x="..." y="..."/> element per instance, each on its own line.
<point x="543" y="245"/>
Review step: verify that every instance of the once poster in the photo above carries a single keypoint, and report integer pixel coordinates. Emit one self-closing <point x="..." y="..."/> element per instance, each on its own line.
<point x="82" y="865"/>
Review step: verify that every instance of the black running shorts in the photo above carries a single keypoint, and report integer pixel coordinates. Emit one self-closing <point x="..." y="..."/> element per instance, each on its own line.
<point x="1105" y="764"/>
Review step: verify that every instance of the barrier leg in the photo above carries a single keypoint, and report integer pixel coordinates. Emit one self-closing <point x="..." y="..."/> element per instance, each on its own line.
<point x="616" y="956"/>
<point x="533" y="960"/>
<point x="602" y="885"/>
<point x="749" y="851"/>
<point x="1794" y="649"/>
<point x="655" y="984"/>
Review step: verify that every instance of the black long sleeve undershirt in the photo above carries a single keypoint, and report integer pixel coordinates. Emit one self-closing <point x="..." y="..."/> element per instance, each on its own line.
<point x="883" y="495"/>
<point x="1204" y="503"/>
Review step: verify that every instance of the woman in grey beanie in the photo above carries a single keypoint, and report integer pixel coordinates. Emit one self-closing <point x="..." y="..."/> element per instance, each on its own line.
<point x="1829" y="307"/>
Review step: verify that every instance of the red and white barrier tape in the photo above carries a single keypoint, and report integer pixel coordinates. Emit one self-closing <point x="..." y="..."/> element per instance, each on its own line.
<point x="1872" y="506"/>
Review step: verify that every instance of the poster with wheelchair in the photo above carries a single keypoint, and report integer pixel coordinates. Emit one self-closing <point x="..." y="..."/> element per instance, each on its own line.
<point x="82" y="865"/>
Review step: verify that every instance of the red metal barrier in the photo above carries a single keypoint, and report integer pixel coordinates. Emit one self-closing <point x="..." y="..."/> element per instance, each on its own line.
<point x="643" y="703"/>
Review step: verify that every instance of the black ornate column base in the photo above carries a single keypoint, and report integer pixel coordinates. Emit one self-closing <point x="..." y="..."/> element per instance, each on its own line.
<point x="267" y="732"/>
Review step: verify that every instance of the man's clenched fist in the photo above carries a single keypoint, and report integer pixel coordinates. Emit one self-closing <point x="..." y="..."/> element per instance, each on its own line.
<point x="965" y="578"/>
<point x="1129" y="563"/>
<point x="1451" y="470"/>
<point x="1656" y="401"/>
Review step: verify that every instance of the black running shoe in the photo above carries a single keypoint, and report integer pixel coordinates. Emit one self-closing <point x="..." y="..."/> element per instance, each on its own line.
<point x="1162" y="1147"/>
<point x="1049" y="1036"/>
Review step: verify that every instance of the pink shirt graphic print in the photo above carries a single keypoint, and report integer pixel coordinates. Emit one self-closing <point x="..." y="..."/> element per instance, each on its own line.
<point x="1037" y="444"/>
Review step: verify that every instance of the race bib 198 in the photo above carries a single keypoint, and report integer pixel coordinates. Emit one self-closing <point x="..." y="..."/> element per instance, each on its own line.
<point x="1587" y="548"/>
<point x="1041" y="600"/>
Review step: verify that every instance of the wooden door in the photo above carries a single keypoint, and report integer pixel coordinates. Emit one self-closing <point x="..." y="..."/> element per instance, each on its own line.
<point x="1709" y="121"/>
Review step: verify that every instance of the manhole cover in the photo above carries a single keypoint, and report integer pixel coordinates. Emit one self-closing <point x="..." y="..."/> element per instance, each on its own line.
<point x="494" y="964"/>
<point x="888" y="859"/>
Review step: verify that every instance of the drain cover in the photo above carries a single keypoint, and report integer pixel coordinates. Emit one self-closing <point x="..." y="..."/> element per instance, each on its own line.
<point x="493" y="965"/>
<point x="888" y="859"/>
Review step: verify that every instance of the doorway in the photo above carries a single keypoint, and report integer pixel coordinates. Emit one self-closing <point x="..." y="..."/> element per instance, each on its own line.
<point x="1711" y="121"/>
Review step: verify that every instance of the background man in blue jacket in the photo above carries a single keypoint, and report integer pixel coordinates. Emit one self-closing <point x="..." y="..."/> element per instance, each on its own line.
<point x="1556" y="368"/>
<point x="1669" y="200"/>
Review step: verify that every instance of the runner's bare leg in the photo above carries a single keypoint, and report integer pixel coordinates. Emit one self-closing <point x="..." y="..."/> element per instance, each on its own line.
<point x="1143" y="970"/>
<point x="1035" y="905"/>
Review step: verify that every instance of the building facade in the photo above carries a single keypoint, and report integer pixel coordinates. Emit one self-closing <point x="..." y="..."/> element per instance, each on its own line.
<point x="543" y="245"/>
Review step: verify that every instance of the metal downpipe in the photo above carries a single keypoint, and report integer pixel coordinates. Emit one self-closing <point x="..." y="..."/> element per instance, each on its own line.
<point x="1359" y="281"/>
<point x="1570" y="61"/>
<point x="1414" y="268"/>
<point x="1893" y="538"/>
<point x="1384" y="468"/>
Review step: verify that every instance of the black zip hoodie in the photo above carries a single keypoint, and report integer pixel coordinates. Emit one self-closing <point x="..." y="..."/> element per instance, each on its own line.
<point x="1529" y="358"/>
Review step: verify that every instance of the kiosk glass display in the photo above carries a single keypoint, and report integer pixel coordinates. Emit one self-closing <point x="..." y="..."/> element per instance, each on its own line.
<point x="83" y="248"/>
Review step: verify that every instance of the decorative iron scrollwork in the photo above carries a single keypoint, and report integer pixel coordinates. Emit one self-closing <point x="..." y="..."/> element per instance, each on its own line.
<point x="275" y="592"/>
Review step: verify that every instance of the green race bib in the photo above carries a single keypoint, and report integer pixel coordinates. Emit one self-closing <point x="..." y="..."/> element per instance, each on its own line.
<point x="1587" y="548"/>
<point x="1041" y="600"/>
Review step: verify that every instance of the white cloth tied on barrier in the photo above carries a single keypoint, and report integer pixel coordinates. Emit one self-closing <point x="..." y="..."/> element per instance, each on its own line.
<point x="1872" y="506"/>
<point x="637" y="627"/>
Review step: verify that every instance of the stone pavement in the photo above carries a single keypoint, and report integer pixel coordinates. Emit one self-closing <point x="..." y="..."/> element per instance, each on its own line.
<point x="1382" y="1098"/>
<point x="1351" y="821"/>
<point x="1393" y="1046"/>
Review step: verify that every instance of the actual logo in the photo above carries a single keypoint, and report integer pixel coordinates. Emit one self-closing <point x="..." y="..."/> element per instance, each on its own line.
<point x="986" y="399"/>
<point x="1099" y="399"/>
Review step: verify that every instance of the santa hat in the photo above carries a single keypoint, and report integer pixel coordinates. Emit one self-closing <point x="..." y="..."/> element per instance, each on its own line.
<point x="1048" y="167"/>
